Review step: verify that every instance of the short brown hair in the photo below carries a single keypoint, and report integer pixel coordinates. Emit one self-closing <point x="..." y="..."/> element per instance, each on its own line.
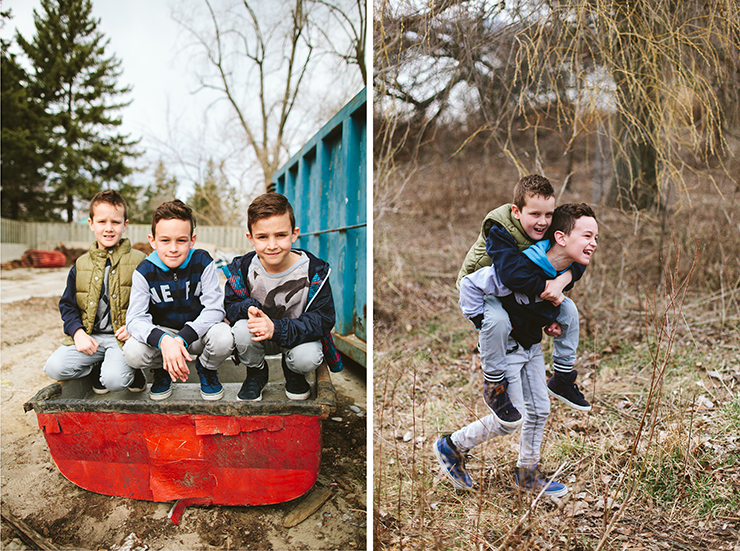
<point x="173" y="210"/>
<point x="267" y="205"/>
<point x="565" y="216"/>
<point x="112" y="197"/>
<point x="531" y="185"/>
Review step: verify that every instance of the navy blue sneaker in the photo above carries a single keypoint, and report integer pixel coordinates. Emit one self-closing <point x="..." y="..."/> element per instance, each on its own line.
<point x="296" y="386"/>
<point x="452" y="463"/>
<point x="210" y="387"/>
<point x="531" y="479"/>
<point x="498" y="402"/>
<point x="563" y="387"/>
<point x="162" y="385"/>
<point x="251" y="390"/>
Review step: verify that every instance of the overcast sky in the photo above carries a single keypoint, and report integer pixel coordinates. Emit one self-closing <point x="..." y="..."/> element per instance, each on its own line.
<point x="171" y="119"/>
<point x="148" y="42"/>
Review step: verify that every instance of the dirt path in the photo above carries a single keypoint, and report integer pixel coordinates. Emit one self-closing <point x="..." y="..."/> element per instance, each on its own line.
<point x="34" y="491"/>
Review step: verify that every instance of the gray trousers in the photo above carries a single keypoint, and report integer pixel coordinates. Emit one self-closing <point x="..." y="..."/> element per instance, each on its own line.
<point x="528" y="393"/>
<point x="494" y="337"/>
<point x="304" y="358"/>
<point x="212" y="349"/>
<point x="69" y="363"/>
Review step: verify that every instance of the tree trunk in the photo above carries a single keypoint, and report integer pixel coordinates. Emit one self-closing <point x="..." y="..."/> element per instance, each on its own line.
<point x="70" y="208"/>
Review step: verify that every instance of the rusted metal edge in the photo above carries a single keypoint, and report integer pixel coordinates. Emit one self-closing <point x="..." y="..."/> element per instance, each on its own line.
<point x="46" y="401"/>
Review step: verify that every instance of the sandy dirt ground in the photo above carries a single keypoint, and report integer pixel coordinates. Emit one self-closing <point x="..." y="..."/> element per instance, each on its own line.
<point x="34" y="491"/>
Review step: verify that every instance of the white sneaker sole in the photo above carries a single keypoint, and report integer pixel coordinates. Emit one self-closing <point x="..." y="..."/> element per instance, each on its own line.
<point x="161" y="395"/>
<point x="212" y="397"/>
<point x="566" y="401"/>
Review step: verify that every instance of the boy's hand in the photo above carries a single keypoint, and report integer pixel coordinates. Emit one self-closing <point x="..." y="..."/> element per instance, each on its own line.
<point x="260" y="325"/>
<point x="85" y="343"/>
<point x="174" y="356"/>
<point x="122" y="335"/>
<point x="554" y="288"/>
<point x="553" y="330"/>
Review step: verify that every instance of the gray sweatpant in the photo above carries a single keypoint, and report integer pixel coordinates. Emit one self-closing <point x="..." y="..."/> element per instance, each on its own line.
<point x="527" y="391"/>
<point x="212" y="349"/>
<point x="69" y="363"/>
<point x="304" y="358"/>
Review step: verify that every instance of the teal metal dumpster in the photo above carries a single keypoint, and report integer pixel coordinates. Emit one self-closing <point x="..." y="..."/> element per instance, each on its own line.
<point x="326" y="182"/>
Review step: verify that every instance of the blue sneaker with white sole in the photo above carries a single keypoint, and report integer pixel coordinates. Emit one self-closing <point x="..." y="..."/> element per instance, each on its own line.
<point x="452" y="463"/>
<point x="161" y="386"/>
<point x="210" y="387"/>
<point x="532" y="480"/>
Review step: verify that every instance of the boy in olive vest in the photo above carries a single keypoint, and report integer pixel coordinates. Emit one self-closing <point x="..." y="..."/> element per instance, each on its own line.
<point x="506" y="232"/>
<point x="94" y="304"/>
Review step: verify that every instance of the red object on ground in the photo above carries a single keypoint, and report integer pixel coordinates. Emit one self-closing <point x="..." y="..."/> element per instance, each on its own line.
<point x="43" y="259"/>
<point x="223" y="460"/>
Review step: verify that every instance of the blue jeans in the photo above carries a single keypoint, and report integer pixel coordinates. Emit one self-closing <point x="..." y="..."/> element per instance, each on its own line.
<point x="69" y="363"/>
<point x="303" y="358"/>
<point x="493" y="338"/>
<point x="525" y="372"/>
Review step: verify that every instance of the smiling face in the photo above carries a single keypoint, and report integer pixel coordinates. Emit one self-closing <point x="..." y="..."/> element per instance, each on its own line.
<point x="535" y="216"/>
<point x="579" y="245"/>
<point x="172" y="241"/>
<point x="272" y="239"/>
<point x="108" y="224"/>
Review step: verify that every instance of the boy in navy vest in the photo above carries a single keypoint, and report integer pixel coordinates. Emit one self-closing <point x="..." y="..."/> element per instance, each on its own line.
<point x="93" y="305"/>
<point x="176" y="308"/>
<point x="278" y="300"/>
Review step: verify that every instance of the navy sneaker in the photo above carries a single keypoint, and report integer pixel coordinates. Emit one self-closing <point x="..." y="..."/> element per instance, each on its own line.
<point x="296" y="386"/>
<point x="97" y="386"/>
<point x="531" y="479"/>
<point x="162" y="385"/>
<point x="563" y="387"/>
<point x="452" y="463"/>
<point x="139" y="382"/>
<point x="210" y="387"/>
<point x="251" y="390"/>
<point x="498" y="402"/>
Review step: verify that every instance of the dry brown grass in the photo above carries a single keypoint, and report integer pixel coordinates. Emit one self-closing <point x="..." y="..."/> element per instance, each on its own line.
<point x="683" y="464"/>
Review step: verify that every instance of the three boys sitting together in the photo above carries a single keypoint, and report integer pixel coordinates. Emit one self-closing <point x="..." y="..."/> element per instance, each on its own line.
<point x="124" y="312"/>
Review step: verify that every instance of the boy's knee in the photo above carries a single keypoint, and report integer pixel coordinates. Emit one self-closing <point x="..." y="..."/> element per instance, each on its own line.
<point x="568" y="309"/>
<point x="240" y="333"/>
<point x="133" y="353"/>
<point x="221" y="338"/>
<point x="58" y="368"/>
<point x="305" y="358"/>
<point x="117" y="381"/>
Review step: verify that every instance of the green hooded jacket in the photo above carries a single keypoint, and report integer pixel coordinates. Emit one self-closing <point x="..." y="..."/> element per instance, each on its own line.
<point x="477" y="257"/>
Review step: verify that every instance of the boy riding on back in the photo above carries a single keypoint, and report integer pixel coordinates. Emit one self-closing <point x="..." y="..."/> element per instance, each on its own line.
<point x="572" y="238"/>
<point x="506" y="232"/>
<point x="176" y="308"/>
<point x="278" y="300"/>
<point x="94" y="304"/>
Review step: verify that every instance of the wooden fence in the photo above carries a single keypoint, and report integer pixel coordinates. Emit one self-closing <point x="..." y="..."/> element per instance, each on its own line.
<point x="44" y="235"/>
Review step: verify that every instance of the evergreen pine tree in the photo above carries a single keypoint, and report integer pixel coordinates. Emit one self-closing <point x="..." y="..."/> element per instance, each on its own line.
<point x="23" y="146"/>
<point x="75" y="80"/>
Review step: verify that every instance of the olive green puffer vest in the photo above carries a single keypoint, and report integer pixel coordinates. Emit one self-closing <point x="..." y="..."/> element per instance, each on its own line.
<point x="90" y="272"/>
<point x="477" y="257"/>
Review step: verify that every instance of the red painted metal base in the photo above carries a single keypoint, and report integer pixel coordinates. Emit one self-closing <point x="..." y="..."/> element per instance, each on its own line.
<point x="223" y="460"/>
